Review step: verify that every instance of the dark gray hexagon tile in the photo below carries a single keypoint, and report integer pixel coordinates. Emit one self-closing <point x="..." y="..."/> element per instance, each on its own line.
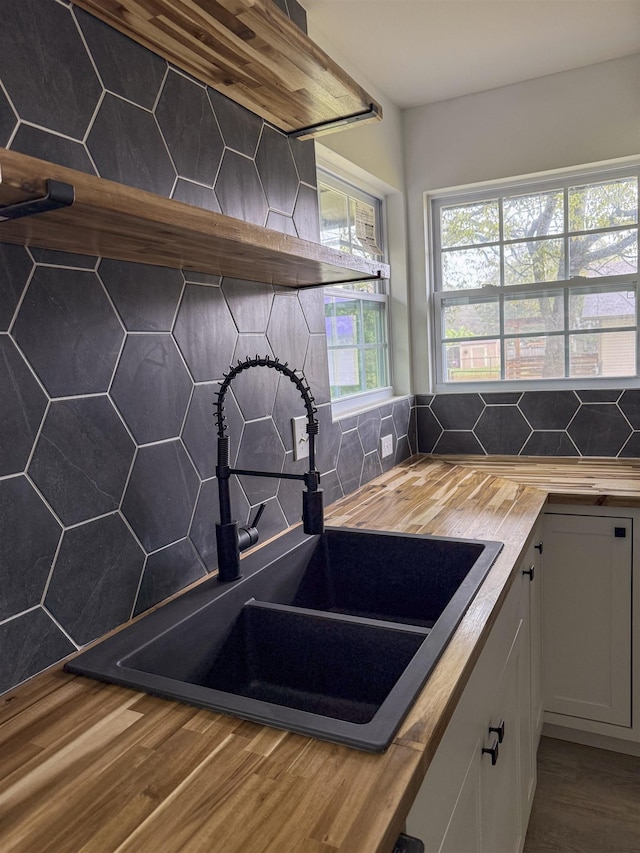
<point x="30" y="643"/>
<point x="599" y="429"/>
<point x="240" y="128"/>
<point x="331" y="488"/>
<point x="457" y="411"/>
<point x="371" y="467"/>
<point x="152" y="387"/>
<point x="281" y="223"/>
<point x="629" y="403"/>
<point x="429" y="429"/>
<point x="8" y="119"/>
<point x="403" y="451"/>
<point x="196" y="195"/>
<point x="412" y="435"/>
<point x="305" y="214"/>
<point x="328" y="441"/>
<point x="239" y="190"/>
<point x="316" y="369"/>
<point x="161" y="494"/>
<point x="29" y="536"/>
<point x="69" y="332"/>
<point x="502" y="429"/>
<point x="596" y="395"/>
<point x="502" y="398"/>
<point x="272" y="521"/>
<point x="207" y="513"/>
<point x="95" y="578"/>
<point x="54" y="258"/>
<point x="191" y="132"/>
<point x="312" y="302"/>
<point x="15" y="268"/>
<point x="146" y="297"/>
<point x="304" y="155"/>
<point x="56" y="149"/>
<point x="277" y="170"/>
<point x="126" y="68"/>
<point x="82" y="458"/>
<point x="426" y="399"/>
<point x="200" y="433"/>
<point x="350" y="461"/>
<point x="167" y="572"/>
<point x="631" y="449"/>
<point x="260" y="450"/>
<point x="458" y="441"/>
<point x="290" y="491"/>
<point x="22" y="406"/>
<point x="369" y="429"/>
<point x="549" y="410"/>
<point x="209" y="279"/>
<point x="386" y="428"/>
<point x="55" y="85"/>
<point x="287" y="331"/>
<point x="549" y="443"/>
<point x="401" y="412"/>
<point x="250" y="303"/>
<point x="348" y="423"/>
<point x="254" y="389"/>
<point x="297" y="14"/>
<point x="205" y="332"/>
<point x="126" y="146"/>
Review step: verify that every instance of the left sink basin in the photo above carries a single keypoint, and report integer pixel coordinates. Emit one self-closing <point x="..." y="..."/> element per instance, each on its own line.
<point x="254" y="650"/>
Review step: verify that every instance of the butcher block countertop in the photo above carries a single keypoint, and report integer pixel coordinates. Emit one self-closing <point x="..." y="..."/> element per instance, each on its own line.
<point x="98" y="768"/>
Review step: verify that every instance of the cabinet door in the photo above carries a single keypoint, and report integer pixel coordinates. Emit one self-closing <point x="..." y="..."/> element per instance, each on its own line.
<point x="530" y="673"/>
<point x="536" y="559"/>
<point x="587" y="617"/>
<point x="463" y="832"/>
<point x="500" y="785"/>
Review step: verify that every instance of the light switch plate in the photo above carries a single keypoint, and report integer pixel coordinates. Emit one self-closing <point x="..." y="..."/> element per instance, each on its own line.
<point x="386" y="445"/>
<point x="300" y="438"/>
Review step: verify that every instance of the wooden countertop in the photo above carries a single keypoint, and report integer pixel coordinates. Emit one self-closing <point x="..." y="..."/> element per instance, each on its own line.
<point x="98" y="768"/>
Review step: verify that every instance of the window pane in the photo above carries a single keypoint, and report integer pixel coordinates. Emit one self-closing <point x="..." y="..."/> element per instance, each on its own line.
<point x="373" y="322"/>
<point x="539" y="313"/>
<point x="469" y="268"/>
<point x="469" y="224"/>
<point x="603" y="354"/>
<point x="345" y="375"/>
<point x="534" y="215"/>
<point x="468" y="319"/>
<point x="334" y="219"/>
<point x="603" y="205"/>
<point x="472" y="361"/>
<point x="534" y="357"/>
<point x="342" y="321"/>
<point x="602" y="309"/>
<point x="375" y="369"/>
<point x="539" y="260"/>
<point x="604" y="254"/>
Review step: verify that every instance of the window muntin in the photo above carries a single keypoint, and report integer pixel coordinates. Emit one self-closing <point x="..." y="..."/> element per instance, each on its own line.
<point x="537" y="285"/>
<point x="356" y="314"/>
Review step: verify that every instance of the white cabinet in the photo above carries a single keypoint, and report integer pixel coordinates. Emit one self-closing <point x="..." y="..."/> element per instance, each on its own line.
<point x="469" y="803"/>
<point x="587" y="618"/>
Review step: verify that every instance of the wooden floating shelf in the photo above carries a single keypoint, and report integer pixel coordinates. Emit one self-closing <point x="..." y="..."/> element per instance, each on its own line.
<point x="251" y="52"/>
<point x="124" y="223"/>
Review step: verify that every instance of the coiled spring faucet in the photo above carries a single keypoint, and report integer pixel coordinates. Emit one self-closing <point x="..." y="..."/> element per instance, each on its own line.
<point x="232" y="539"/>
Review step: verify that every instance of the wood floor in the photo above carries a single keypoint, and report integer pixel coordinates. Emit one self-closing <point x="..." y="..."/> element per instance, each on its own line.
<point x="587" y="801"/>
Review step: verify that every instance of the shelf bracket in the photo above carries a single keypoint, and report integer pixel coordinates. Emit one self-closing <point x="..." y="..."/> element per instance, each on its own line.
<point x="58" y="195"/>
<point x="372" y="112"/>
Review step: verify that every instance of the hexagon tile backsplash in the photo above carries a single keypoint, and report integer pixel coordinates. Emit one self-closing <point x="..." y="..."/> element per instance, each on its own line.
<point x="108" y="370"/>
<point x="531" y="423"/>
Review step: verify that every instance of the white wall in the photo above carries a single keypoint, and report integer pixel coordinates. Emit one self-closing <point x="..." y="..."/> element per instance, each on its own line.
<point x="577" y="117"/>
<point x="374" y="153"/>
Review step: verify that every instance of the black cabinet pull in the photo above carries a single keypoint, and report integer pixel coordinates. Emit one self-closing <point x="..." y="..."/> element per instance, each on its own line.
<point x="538" y="547"/>
<point x="530" y="571"/>
<point x="499" y="730"/>
<point x="492" y="751"/>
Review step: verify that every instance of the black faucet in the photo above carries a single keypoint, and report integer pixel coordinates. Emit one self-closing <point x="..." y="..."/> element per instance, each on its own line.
<point x="232" y="539"/>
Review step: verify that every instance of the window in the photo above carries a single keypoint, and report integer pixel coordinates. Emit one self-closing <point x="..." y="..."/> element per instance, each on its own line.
<point x="537" y="283"/>
<point x="355" y="313"/>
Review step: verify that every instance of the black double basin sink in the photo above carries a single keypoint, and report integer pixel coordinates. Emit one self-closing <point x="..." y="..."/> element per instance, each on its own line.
<point x="331" y="635"/>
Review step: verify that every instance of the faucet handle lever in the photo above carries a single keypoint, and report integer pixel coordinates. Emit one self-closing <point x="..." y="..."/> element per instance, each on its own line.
<point x="257" y="516"/>
<point x="249" y="535"/>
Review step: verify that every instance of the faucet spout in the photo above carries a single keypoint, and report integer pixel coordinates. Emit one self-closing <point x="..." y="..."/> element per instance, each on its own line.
<point x="232" y="539"/>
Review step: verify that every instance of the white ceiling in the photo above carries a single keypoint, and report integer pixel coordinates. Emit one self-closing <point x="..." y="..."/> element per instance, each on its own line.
<point x="420" y="51"/>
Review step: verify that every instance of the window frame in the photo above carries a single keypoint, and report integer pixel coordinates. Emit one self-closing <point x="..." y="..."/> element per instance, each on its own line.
<point x="435" y="201"/>
<point x="362" y="399"/>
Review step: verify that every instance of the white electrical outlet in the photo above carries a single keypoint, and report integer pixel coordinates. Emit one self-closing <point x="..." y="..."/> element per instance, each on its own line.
<point x="386" y="445"/>
<point x="300" y="438"/>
